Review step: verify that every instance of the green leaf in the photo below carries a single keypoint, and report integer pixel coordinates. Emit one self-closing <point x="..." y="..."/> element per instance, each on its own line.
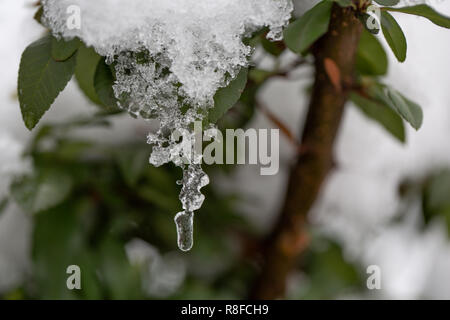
<point x="132" y="163"/>
<point x="328" y="271"/>
<point x="57" y="240"/>
<point x="63" y="50"/>
<point x="387" y="2"/>
<point x="226" y="97"/>
<point x="87" y="62"/>
<point x="371" y="57"/>
<point x="436" y="198"/>
<point x="394" y="36"/>
<point x="41" y="79"/>
<point x="3" y="204"/>
<point x="407" y="109"/>
<point x="117" y="274"/>
<point x="42" y="190"/>
<point x="425" y="11"/>
<point x="382" y="114"/>
<point x="303" y="32"/>
<point x="259" y="76"/>
<point x="344" y="3"/>
<point x="274" y="48"/>
<point x="103" y="83"/>
<point x="38" y="15"/>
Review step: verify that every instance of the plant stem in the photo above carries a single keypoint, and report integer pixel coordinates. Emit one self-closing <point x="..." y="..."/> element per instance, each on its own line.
<point x="288" y="239"/>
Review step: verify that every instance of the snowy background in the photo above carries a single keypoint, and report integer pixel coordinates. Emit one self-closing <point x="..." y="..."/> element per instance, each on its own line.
<point x="361" y="195"/>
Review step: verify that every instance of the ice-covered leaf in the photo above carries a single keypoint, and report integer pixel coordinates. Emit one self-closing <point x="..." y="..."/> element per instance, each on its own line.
<point x="41" y="79"/>
<point x="198" y="42"/>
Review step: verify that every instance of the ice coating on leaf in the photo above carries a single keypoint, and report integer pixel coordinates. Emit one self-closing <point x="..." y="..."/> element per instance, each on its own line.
<point x="200" y="41"/>
<point x="170" y="57"/>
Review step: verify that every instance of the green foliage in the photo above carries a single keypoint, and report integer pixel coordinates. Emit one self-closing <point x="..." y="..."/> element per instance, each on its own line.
<point x="87" y="62"/>
<point x="407" y="109"/>
<point x="41" y="79"/>
<point x="394" y="36"/>
<point x="387" y="106"/>
<point x="328" y="274"/>
<point x="48" y="64"/>
<point x="103" y="83"/>
<point x="344" y="3"/>
<point x="432" y="192"/>
<point x="3" y="204"/>
<point x="132" y="164"/>
<point x="425" y="11"/>
<point x="382" y="114"/>
<point x="225" y="98"/>
<point x="88" y="200"/>
<point x="371" y="58"/>
<point x="436" y="198"/>
<point x="56" y="245"/>
<point x="38" y="15"/>
<point x="393" y="32"/>
<point x="42" y="190"/>
<point x="271" y="47"/>
<point x="63" y="50"/>
<point x="387" y="2"/>
<point x="303" y="32"/>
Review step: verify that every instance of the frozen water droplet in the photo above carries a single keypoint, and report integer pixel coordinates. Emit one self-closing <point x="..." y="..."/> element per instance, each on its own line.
<point x="185" y="230"/>
<point x="109" y="59"/>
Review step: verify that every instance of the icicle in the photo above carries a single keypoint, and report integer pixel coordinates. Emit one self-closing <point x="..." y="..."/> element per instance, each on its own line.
<point x="185" y="230"/>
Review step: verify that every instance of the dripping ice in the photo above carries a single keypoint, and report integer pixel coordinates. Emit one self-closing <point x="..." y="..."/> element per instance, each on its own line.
<point x="170" y="57"/>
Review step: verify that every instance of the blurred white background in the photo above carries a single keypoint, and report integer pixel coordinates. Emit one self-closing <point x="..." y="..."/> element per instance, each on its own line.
<point x="360" y="196"/>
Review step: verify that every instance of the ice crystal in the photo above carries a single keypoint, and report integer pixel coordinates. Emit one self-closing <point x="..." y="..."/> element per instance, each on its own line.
<point x="170" y="57"/>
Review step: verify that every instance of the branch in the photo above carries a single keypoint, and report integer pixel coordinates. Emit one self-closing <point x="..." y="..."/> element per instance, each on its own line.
<point x="289" y="239"/>
<point x="281" y="126"/>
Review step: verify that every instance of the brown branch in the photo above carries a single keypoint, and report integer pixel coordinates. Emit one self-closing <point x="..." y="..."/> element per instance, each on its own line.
<point x="280" y="124"/>
<point x="289" y="238"/>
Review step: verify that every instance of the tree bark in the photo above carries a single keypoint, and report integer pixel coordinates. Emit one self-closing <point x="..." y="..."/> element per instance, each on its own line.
<point x="288" y="239"/>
